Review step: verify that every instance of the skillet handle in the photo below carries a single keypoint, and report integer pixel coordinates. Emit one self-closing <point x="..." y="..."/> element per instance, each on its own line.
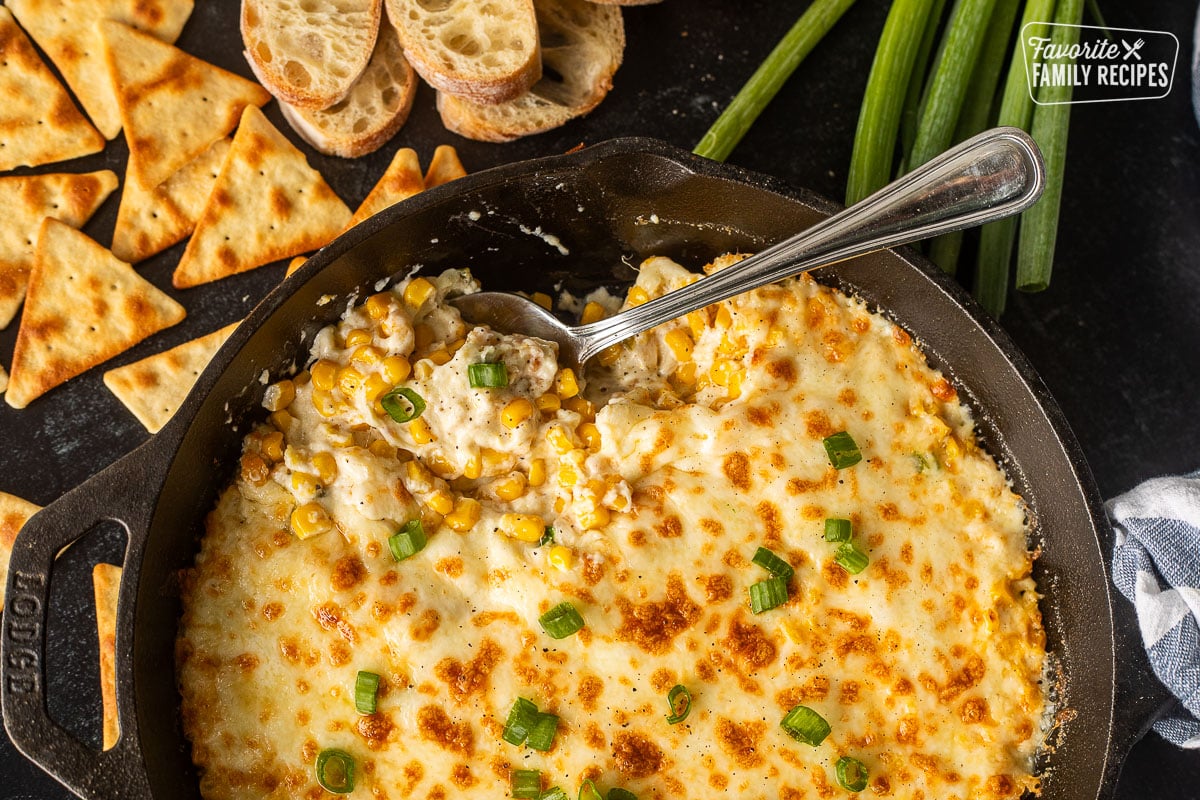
<point x="122" y="493"/>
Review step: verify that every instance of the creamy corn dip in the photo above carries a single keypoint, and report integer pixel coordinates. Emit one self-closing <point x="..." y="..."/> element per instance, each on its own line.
<point x="889" y="639"/>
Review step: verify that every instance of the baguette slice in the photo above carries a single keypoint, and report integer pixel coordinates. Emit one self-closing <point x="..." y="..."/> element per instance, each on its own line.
<point x="378" y="104"/>
<point x="308" y="53"/>
<point x="482" y="50"/>
<point x="582" y="46"/>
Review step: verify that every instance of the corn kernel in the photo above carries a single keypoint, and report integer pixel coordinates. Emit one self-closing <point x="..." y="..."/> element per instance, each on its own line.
<point x="681" y="344"/>
<point x="951" y="454"/>
<point x="417" y="292"/>
<point x="516" y="412"/>
<point x="537" y="472"/>
<point x="422" y="336"/>
<point x="279" y="396"/>
<point x="324" y="374"/>
<point x="465" y="514"/>
<point x="474" y="467"/>
<point x="254" y="469"/>
<point x="324" y="403"/>
<point x="558" y="439"/>
<point x="565" y="384"/>
<point x="335" y="435"/>
<point x="350" y="381"/>
<point x="419" y="430"/>
<point x="302" y="378"/>
<point x="423" y="370"/>
<point x="596" y="517"/>
<point x="637" y="296"/>
<point x="310" y="520"/>
<point x="609" y="355"/>
<point x="326" y="467"/>
<point x="493" y="460"/>
<point x="382" y="449"/>
<point x="456" y="345"/>
<point x="724" y="318"/>
<point x="548" y="403"/>
<point x="590" y="435"/>
<point x="396" y="369"/>
<point x="729" y="346"/>
<point x="733" y="387"/>
<point x="439" y="465"/>
<point x="358" y="337"/>
<point x="281" y="420"/>
<point x="368" y="355"/>
<point x="375" y="387"/>
<point x="417" y="474"/>
<point x="592" y="312"/>
<point x="559" y="505"/>
<point x="511" y="487"/>
<point x="272" y="446"/>
<point x="561" y="558"/>
<point x="721" y="370"/>
<point x="686" y="373"/>
<point x="581" y="406"/>
<point x="440" y="356"/>
<point x="698" y="323"/>
<point x="441" y="501"/>
<point x="380" y="305"/>
<point x="568" y="475"/>
<point x="304" y="484"/>
<point x="543" y="300"/>
<point x="525" y="527"/>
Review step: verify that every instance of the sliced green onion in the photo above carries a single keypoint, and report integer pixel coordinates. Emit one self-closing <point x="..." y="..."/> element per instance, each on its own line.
<point x="838" y="530"/>
<point x="883" y="100"/>
<point x="335" y="771"/>
<point x="487" y="375"/>
<point x="842" y="450"/>
<point x="851" y="774"/>
<point x="408" y="541"/>
<point x="554" y="793"/>
<point x="617" y="793"/>
<point x="547" y="537"/>
<point x="805" y="725"/>
<point x="561" y="621"/>
<point x="527" y="784"/>
<point x="366" y="689"/>
<point x="521" y="719"/>
<point x="588" y="791"/>
<point x="773" y="563"/>
<point x="541" y="735"/>
<point x="850" y="558"/>
<point x="768" y="594"/>
<point x="766" y="81"/>
<point x="403" y="404"/>
<point x="679" y="699"/>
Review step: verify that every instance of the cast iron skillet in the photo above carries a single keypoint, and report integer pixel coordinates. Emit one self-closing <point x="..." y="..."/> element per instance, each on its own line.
<point x="609" y="206"/>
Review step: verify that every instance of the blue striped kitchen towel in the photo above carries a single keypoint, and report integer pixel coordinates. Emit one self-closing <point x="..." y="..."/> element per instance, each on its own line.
<point x="1156" y="564"/>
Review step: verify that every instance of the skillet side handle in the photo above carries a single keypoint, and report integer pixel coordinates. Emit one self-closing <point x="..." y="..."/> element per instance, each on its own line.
<point x="122" y="493"/>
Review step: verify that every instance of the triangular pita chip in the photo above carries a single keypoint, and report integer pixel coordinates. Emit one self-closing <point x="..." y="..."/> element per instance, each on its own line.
<point x="151" y="220"/>
<point x="38" y="122"/>
<point x="155" y="387"/>
<point x="401" y="180"/>
<point x="84" y="306"/>
<point x="68" y="31"/>
<point x="3" y="379"/>
<point x="28" y="199"/>
<point x="106" y="586"/>
<point x="295" y="264"/>
<point x="14" y="513"/>
<point x="443" y="167"/>
<point x="173" y="105"/>
<point x="268" y="204"/>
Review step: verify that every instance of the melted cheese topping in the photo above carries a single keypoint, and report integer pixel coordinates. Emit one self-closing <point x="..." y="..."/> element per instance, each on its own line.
<point x="707" y="443"/>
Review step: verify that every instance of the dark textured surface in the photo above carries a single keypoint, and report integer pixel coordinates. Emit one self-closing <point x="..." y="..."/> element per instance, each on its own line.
<point x="1114" y="337"/>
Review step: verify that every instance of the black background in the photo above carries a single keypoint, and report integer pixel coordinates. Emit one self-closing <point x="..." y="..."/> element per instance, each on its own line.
<point x="1116" y="337"/>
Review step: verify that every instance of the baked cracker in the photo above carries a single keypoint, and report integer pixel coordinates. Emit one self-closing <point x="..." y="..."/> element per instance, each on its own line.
<point x="14" y="513"/>
<point x="173" y="105"/>
<point x="154" y="388"/>
<point x="401" y="180"/>
<point x="151" y="220"/>
<point x="3" y="378"/>
<point x="68" y="31"/>
<point x="84" y="306"/>
<point x="106" y="586"/>
<point x="443" y="167"/>
<point x="26" y="201"/>
<point x="295" y="264"/>
<point x="38" y="122"/>
<point x="268" y="204"/>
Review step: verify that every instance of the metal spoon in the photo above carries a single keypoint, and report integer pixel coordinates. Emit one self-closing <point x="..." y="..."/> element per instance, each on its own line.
<point x="986" y="178"/>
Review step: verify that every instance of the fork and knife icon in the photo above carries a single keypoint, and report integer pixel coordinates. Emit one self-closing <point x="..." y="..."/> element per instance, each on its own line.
<point x="1132" y="50"/>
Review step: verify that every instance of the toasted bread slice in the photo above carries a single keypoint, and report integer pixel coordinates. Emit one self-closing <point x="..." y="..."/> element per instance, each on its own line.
<point x="582" y="47"/>
<point x="68" y="31"/>
<point x="483" y="50"/>
<point x="309" y="53"/>
<point x="38" y="122"/>
<point x="376" y="107"/>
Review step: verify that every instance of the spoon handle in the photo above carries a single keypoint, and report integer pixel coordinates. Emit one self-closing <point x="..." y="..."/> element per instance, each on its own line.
<point x="991" y="176"/>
